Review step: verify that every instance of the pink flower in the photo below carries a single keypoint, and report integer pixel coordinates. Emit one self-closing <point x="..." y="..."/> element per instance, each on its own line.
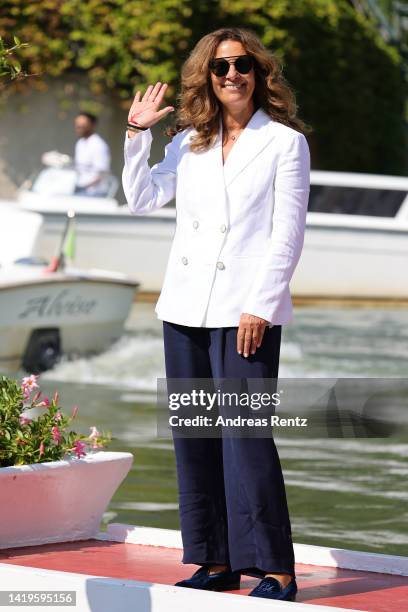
<point x="94" y="433"/>
<point x="24" y="420"/>
<point x="36" y="396"/>
<point x="56" y="434"/>
<point x="74" y="412"/>
<point x="79" y="448"/>
<point x="29" y="383"/>
<point x="41" y="448"/>
<point x="55" y="398"/>
<point x="45" y="403"/>
<point x="58" y="416"/>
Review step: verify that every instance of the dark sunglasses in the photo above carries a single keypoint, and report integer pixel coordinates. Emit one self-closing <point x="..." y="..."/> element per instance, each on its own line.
<point x="220" y="66"/>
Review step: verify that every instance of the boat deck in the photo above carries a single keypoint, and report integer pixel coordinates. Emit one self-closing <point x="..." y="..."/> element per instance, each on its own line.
<point x="319" y="585"/>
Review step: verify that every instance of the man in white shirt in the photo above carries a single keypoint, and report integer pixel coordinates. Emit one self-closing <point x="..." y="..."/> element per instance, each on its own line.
<point x="92" y="158"/>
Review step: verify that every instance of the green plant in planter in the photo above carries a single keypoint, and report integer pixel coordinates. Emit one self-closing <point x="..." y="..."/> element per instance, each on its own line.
<point x="33" y="429"/>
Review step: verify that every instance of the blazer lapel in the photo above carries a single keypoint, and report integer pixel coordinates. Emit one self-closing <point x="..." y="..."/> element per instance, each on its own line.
<point x="212" y="178"/>
<point x="253" y="139"/>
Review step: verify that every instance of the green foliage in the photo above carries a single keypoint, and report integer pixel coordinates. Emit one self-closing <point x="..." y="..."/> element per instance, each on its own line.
<point x="34" y="430"/>
<point x="9" y="66"/>
<point x="349" y="83"/>
<point x="119" y="43"/>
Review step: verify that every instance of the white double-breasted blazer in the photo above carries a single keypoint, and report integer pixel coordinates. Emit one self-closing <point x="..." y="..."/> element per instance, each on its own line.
<point x="239" y="226"/>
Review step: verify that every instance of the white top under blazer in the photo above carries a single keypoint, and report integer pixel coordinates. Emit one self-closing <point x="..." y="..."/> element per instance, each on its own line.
<point x="239" y="226"/>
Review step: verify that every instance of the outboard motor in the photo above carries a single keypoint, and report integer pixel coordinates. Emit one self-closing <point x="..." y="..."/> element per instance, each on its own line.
<point x="43" y="350"/>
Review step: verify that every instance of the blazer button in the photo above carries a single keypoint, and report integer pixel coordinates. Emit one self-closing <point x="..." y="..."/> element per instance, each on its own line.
<point x="223" y="228"/>
<point x="184" y="260"/>
<point x="196" y="224"/>
<point x="220" y="265"/>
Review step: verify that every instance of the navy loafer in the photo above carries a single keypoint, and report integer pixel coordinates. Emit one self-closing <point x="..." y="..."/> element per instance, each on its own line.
<point x="219" y="581"/>
<point x="271" y="588"/>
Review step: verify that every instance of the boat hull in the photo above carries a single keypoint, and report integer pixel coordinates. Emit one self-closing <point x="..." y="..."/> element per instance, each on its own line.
<point x="138" y="246"/>
<point x="344" y="256"/>
<point x="353" y="258"/>
<point x="88" y="314"/>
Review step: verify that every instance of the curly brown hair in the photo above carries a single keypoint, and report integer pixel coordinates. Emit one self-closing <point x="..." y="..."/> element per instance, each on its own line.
<point x="199" y="108"/>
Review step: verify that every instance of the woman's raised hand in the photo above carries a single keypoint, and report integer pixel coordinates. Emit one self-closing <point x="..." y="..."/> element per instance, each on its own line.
<point x="145" y="111"/>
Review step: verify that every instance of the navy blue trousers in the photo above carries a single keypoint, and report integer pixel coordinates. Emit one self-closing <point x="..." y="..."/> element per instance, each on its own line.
<point x="232" y="501"/>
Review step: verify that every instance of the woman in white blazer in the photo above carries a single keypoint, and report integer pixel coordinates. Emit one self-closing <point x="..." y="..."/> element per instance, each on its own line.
<point x="239" y="167"/>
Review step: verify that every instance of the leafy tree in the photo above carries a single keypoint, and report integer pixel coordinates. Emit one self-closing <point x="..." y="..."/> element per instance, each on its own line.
<point x="9" y="66"/>
<point x="118" y="43"/>
<point x="349" y="83"/>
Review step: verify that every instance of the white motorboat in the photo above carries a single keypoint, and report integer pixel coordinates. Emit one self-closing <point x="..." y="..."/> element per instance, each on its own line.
<point x="356" y="241"/>
<point x="45" y="314"/>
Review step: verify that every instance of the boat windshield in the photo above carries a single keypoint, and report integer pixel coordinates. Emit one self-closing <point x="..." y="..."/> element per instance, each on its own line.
<point x="355" y="200"/>
<point x="53" y="181"/>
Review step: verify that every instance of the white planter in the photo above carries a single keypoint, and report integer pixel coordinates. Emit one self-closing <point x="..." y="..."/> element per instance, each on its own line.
<point x="59" y="501"/>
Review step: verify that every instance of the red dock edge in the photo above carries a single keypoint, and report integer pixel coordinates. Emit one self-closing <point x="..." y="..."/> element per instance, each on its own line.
<point x="135" y="568"/>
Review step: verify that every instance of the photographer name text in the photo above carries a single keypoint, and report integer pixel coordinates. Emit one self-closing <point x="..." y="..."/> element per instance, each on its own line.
<point x="238" y="421"/>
